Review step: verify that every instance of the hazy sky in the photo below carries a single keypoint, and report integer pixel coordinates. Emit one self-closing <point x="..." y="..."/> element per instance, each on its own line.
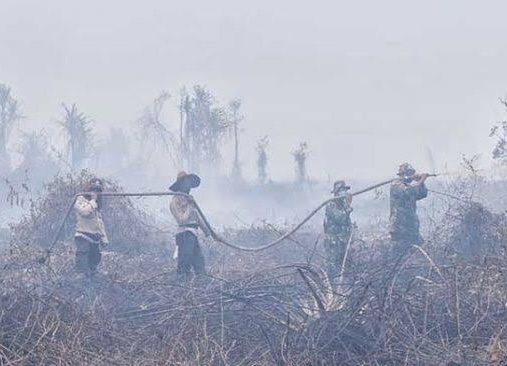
<point x="368" y="84"/>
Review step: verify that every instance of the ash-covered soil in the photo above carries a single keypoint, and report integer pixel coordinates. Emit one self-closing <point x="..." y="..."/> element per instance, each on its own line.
<point x="442" y="303"/>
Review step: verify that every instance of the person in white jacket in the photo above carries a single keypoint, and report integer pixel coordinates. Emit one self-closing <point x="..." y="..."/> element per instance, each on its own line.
<point x="189" y="222"/>
<point x="90" y="230"/>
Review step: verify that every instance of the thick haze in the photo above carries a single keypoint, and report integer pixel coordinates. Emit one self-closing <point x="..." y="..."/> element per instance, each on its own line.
<point x="368" y="84"/>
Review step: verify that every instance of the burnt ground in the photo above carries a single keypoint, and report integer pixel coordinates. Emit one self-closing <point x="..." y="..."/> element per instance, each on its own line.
<point x="444" y="303"/>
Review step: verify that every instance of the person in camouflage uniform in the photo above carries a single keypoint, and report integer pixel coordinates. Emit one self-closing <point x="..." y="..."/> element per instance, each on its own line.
<point x="337" y="227"/>
<point x="404" y="222"/>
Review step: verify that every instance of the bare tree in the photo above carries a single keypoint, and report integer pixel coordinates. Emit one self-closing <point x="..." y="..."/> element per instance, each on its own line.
<point x="9" y="114"/>
<point x="79" y="134"/>
<point x="262" y="159"/>
<point x="499" y="132"/>
<point x="300" y="155"/>
<point x="235" y="120"/>
<point x="154" y="132"/>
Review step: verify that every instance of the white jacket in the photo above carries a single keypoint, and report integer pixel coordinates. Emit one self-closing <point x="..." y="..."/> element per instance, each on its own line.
<point x="89" y="219"/>
<point x="186" y="215"/>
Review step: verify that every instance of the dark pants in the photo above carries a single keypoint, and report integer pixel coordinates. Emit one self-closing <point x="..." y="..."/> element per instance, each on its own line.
<point x="87" y="256"/>
<point x="189" y="254"/>
<point x="402" y="243"/>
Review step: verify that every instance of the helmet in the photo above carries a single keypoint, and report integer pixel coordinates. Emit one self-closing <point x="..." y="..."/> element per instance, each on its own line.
<point x="406" y="170"/>
<point x="339" y="186"/>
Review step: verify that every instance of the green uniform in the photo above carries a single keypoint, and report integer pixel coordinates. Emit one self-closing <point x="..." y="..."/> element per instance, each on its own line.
<point x="404" y="222"/>
<point x="337" y="229"/>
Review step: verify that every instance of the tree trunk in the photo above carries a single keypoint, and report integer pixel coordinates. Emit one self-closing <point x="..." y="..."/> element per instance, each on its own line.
<point x="236" y="170"/>
<point x="4" y="156"/>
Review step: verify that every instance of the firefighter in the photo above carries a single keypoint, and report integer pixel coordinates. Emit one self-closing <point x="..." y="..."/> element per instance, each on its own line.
<point x="337" y="227"/>
<point x="90" y="230"/>
<point x="404" y="221"/>
<point x="189" y="253"/>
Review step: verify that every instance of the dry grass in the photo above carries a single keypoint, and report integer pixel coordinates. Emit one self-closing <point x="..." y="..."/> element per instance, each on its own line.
<point x="432" y="306"/>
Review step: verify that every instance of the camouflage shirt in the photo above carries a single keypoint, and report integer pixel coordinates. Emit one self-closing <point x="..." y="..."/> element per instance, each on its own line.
<point x="404" y="222"/>
<point x="337" y="222"/>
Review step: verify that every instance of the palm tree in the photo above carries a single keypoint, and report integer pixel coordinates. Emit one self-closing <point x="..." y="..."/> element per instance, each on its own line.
<point x="300" y="155"/>
<point x="235" y="120"/>
<point x="9" y="114"/>
<point x="262" y="159"/>
<point x="79" y="135"/>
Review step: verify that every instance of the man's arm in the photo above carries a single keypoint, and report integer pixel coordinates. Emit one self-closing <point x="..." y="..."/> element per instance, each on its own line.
<point x="180" y="210"/>
<point x="85" y="207"/>
<point x="184" y="211"/>
<point x="420" y="189"/>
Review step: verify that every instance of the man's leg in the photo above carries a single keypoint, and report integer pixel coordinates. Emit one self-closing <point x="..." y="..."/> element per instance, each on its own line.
<point x="82" y="253"/>
<point x="184" y="254"/>
<point x="197" y="257"/>
<point x="332" y="256"/>
<point x="94" y="257"/>
<point x="400" y="245"/>
<point x="341" y="246"/>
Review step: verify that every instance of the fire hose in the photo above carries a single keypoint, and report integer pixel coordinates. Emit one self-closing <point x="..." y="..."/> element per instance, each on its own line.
<point x="213" y="233"/>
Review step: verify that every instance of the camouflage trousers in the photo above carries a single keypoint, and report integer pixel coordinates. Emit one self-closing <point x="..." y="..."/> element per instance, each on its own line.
<point x="335" y="247"/>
